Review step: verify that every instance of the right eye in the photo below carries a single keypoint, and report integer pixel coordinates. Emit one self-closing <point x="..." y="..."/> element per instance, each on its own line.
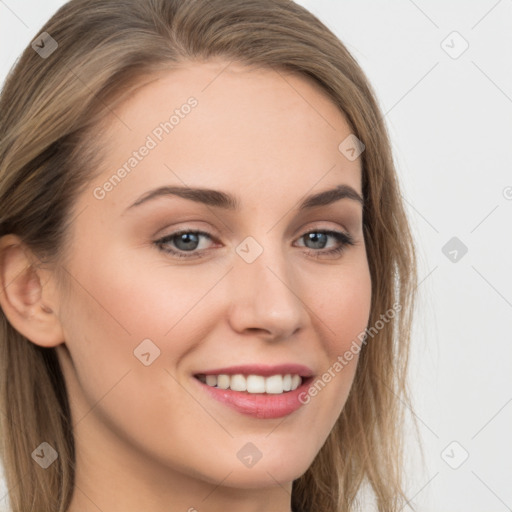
<point x="182" y="242"/>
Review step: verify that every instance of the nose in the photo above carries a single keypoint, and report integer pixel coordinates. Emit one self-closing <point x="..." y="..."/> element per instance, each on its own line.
<point x="265" y="297"/>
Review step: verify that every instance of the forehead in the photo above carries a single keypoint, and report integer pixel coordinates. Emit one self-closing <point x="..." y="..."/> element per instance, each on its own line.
<point x="225" y="125"/>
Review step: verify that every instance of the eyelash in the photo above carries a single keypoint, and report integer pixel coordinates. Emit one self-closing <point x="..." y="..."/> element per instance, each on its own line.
<point x="345" y="240"/>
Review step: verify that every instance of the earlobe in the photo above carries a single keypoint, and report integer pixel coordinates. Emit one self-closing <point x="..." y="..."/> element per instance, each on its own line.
<point x="23" y="293"/>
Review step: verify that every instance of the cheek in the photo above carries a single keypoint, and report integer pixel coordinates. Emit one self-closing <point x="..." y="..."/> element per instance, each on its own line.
<point x="120" y="311"/>
<point x="116" y="309"/>
<point x="344" y="308"/>
<point x="134" y="300"/>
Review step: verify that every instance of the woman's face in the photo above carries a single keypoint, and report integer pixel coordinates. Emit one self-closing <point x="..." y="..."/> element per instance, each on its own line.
<point x="254" y="282"/>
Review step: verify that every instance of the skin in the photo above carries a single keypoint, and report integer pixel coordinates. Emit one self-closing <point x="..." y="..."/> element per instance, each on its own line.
<point x="148" y="437"/>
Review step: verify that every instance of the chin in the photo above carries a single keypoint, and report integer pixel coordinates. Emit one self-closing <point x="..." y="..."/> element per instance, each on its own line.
<point x="269" y="472"/>
<point x="261" y="479"/>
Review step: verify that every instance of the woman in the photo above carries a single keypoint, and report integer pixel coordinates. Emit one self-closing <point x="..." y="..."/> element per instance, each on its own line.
<point x="207" y="275"/>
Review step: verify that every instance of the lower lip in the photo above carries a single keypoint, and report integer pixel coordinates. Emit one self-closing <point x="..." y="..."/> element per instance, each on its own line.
<point x="259" y="405"/>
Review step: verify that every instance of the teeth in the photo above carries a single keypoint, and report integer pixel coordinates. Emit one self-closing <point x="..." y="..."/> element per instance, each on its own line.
<point x="238" y="383"/>
<point x="211" y="380"/>
<point x="223" y="381"/>
<point x="296" y="380"/>
<point x="287" y="382"/>
<point x="255" y="384"/>
<point x="273" y="385"/>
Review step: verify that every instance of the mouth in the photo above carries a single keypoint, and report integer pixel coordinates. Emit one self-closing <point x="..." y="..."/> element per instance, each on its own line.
<point x="258" y="391"/>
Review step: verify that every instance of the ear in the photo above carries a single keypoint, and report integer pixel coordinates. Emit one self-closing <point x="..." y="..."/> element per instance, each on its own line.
<point x="26" y="295"/>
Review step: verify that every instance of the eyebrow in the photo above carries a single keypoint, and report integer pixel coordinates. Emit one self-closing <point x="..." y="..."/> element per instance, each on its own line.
<point x="227" y="201"/>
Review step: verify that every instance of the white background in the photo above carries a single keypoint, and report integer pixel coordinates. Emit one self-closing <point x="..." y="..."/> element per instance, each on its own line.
<point x="450" y="121"/>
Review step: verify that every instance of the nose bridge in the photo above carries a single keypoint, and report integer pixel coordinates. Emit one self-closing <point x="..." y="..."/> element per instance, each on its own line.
<point x="266" y="296"/>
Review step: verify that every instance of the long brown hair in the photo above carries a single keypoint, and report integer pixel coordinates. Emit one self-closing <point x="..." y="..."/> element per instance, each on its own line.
<point x="51" y="109"/>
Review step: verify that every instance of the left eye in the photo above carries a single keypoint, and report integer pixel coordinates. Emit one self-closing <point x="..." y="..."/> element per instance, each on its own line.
<point x="319" y="239"/>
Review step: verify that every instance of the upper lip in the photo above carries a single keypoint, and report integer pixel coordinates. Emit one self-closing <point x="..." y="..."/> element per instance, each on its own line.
<point x="261" y="369"/>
